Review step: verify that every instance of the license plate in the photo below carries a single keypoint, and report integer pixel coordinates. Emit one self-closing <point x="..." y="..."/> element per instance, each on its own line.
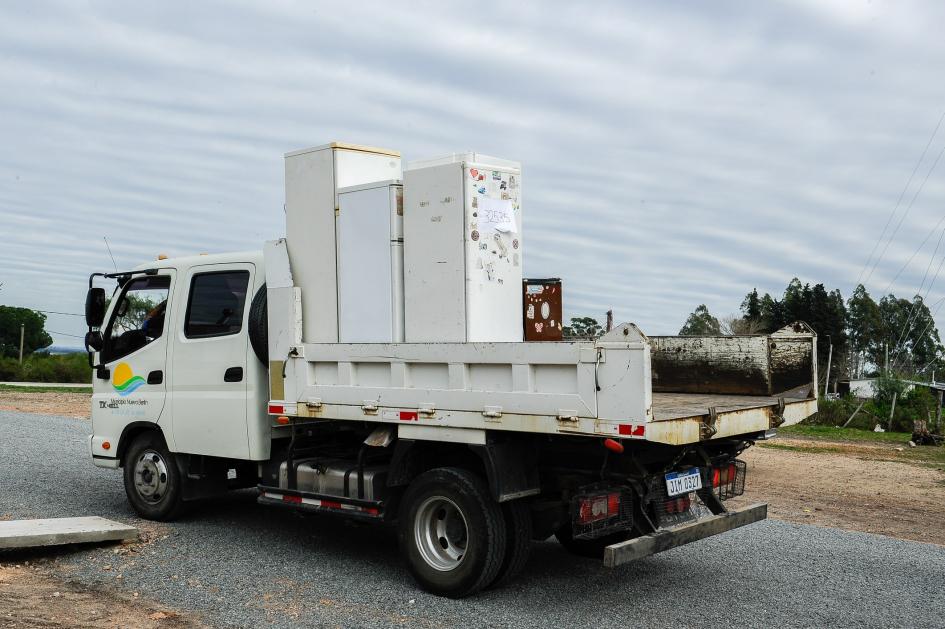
<point x="683" y="482"/>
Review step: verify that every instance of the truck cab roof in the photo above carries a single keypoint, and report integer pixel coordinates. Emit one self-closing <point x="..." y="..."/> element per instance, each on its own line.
<point x="183" y="263"/>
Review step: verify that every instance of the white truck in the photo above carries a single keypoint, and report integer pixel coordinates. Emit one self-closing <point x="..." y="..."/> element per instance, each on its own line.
<point x="371" y="365"/>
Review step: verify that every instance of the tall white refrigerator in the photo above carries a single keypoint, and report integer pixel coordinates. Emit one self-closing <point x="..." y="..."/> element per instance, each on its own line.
<point x="463" y="250"/>
<point x="370" y="263"/>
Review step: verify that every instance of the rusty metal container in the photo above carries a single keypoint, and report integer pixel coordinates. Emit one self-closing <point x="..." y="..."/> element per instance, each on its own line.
<point x="542" y="314"/>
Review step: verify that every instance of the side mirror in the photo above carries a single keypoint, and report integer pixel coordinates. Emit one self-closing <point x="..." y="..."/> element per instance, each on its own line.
<point x="95" y="308"/>
<point x="93" y="341"/>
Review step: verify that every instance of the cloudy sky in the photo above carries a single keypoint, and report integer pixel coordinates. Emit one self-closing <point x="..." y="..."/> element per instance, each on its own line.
<point x="674" y="153"/>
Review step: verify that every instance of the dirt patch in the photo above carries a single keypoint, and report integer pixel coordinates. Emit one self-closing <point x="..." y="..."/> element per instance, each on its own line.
<point x="47" y="403"/>
<point x="848" y="486"/>
<point x="31" y="597"/>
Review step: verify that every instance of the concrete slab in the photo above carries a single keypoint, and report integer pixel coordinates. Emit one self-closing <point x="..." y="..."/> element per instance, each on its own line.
<point x="55" y="531"/>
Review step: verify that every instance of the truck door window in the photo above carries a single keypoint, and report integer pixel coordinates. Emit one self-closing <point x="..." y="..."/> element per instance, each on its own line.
<point x="138" y="319"/>
<point x="216" y="304"/>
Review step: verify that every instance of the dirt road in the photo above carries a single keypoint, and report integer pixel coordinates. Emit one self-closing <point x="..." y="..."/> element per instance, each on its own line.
<point x="849" y="486"/>
<point x="35" y="597"/>
<point x="46" y="403"/>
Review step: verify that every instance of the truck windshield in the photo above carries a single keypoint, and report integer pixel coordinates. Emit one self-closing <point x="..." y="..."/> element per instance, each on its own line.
<point x="138" y="319"/>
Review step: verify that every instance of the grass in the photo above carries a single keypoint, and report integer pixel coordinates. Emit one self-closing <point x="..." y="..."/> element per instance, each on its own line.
<point x="40" y="389"/>
<point x="843" y="441"/>
<point x="844" y="434"/>
<point x="805" y="449"/>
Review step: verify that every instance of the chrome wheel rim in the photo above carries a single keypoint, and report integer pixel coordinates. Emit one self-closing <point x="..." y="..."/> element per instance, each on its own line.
<point x="151" y="476"/>
<point x="441" y="533"/>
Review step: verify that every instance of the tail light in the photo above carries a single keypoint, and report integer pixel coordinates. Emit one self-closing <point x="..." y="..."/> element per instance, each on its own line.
<point x="727" y="480"/>
<point x="679" y="504"/>
<point x="599" y="509"/>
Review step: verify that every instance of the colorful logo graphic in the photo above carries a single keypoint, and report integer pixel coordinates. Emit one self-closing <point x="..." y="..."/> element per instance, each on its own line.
<point x="124" y="381"/>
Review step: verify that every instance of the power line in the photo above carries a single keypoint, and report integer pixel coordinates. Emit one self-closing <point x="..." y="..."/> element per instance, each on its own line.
<point x="55" y="312"/>
<point x="896" y="208"/>
<point x="919" y="299"/>
<point x="76" y="336"/>
<point x="938" y="306"/>
<point x="927" y="327"/>
<point x="914" y="197"/>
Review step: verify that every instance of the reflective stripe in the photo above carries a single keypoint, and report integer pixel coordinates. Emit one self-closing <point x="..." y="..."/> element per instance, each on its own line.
<point x="323" y="504"/>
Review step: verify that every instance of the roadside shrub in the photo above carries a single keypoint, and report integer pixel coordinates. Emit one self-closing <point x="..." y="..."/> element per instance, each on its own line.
<point x="885" y="387"/>
<point x="9" y="369"/>
<point x="47" y="368"/>
<point x="919" y="403"/>
<point x="833" y="412"/>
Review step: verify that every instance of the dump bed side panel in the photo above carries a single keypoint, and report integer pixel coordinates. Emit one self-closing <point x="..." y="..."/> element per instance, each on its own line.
<point x="784" y="362"/>
<point x="550" y="379"/>
<point x="711" y="364"/>
<point x="793" y="360"/>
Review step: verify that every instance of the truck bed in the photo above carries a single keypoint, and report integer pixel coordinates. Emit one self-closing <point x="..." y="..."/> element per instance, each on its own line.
<point x="669" y="406"/>
<point x="672" y="390"/>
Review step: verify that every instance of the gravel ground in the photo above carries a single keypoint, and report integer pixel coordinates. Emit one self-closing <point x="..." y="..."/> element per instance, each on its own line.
<point x="238" y="564"/>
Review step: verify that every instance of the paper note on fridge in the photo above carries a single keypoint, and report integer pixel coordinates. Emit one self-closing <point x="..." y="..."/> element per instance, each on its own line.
<point x="496" y="215"/>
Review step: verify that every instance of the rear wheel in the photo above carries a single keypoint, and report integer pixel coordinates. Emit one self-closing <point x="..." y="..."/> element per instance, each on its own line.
<point x="452" y="533"/>
<point x="152" y="480"/>
<point x="593" y="548"/>
<point x="518" y="541"/>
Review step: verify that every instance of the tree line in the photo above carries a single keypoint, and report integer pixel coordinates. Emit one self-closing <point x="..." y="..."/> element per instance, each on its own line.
<point x="37" y="365"/>
<point x="863" y="332"/>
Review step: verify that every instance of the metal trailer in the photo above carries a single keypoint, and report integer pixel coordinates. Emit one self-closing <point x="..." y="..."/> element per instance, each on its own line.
<point x="620" y="447"/>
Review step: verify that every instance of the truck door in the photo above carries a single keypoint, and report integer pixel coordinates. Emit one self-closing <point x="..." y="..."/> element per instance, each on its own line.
<point x="134" y="353"/>
<point x="208" y="362"/>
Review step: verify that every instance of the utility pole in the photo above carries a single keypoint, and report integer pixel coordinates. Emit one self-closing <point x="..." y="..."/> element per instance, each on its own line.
<point x="22" y="334"/>
<point x="938" y="412"/>
<point x="886" y="347"/>
<point x="892" y="410"/>
<point x="829" y="358"/>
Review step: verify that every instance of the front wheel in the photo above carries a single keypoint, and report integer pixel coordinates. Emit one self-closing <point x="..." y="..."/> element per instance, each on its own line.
<point x="152" y="480"/>
<point x="452" y="533"/>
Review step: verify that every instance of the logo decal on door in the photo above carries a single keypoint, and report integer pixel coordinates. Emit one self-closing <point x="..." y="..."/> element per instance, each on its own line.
<point x="125" y="382"/>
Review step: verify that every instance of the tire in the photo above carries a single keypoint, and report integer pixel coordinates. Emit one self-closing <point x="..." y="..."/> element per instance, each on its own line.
<point x="452" y="533"/>
<point x="518" y="542"/>
<point x="258" y="326"/>
<point x="153" y="483"/>
<point x="591" y="548"/>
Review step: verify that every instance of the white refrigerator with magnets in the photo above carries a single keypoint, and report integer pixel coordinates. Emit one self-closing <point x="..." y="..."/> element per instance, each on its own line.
<point x="370" y="263"/>
<point x="463" y="250"/>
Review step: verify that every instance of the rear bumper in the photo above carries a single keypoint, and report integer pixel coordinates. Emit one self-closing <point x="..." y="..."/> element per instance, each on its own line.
<point x="664" y="539"/>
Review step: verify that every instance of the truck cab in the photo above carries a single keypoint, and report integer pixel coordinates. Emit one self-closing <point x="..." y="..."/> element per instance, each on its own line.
<point x="175" y="355"/>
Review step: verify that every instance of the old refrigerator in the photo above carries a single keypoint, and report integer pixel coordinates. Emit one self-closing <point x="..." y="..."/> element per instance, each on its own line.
<point x="370" y="263"/>
<point x="312" y="180"/>
<point x="542" y="315"/>
<point x="463" y="249"/>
